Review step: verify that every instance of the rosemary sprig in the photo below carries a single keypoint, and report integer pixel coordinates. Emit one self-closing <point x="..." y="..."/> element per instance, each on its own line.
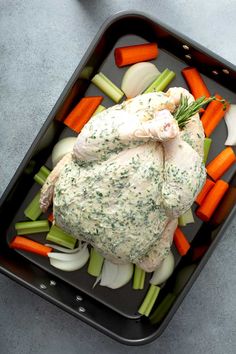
<point x="186" y="110"/>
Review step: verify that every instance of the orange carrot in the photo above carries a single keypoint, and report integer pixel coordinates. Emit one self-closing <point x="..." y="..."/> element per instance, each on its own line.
<point x="51" y="217"/>
<point x="225" y="207"/>
<point x="82" y="112"/>
<point x="135" y="53"/>
<point x="205" y="189"/>
<point x="195" y="83"/>
<point x="213" y="115"/>
<point x="181" y="242"/>
<point x="24" y="244"/>
<point x="221" y="163"/>
<point x="212" y="200"/>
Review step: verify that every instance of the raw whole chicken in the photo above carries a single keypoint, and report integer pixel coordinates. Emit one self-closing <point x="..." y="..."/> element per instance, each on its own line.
<point x="132" y="172"/>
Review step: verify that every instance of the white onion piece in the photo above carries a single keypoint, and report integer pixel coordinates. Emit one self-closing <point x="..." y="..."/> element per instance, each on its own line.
<point x="230" y="120"/>
<point x="62" y="148"/>
<point x="164" y="271"/>
<point x="138" y="77"/>
<point x="69" y="262"/>
<point x="68" y="256"/>
<point x="115" y="276"/>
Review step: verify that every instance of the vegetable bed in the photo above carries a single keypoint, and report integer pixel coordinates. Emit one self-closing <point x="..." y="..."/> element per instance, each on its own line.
<point x="201" y="236"/>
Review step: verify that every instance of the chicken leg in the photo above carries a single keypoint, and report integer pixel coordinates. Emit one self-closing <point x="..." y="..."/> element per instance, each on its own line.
<point x="160" y="249"/>
<point x="184" y="176"/>
<point x="47" y="191"/>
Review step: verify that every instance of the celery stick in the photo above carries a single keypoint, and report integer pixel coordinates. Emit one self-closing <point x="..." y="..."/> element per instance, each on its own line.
<point x="86" y="72"/>
<point x="181" y="221"/>
<point x="186" y="218"/>
<point x="99" y="109"/>
<point x="60" y="237"/>
<point x="29" y="169"/>
<point x="151" y="291"/>
<point x="31" y="227"/>
<point x="95" y="263"/>
<point x="33" y="210"/>
<point x="38" y="179"/>
<point x="163" y="308"/>
<point x="105" y="78"/>
<point x="162" y="85"/>
<point x="45" y="171"/>
<point x="149" y="300"/>
<point x="207" y="145"/>
<point x="161" y="81"/>
<point x="142" y="280"/>
<point x="152" y="301"/>
<point x="42" y="175"/>
<point x="139" y="278"/>
<point x="106" y="86"/>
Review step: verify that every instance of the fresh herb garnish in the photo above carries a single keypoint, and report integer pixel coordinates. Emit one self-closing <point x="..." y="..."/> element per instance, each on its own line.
<point x="186" y="110"/>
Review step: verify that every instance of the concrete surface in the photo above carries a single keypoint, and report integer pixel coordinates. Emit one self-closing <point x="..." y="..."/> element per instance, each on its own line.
<point x="41" y="43"/>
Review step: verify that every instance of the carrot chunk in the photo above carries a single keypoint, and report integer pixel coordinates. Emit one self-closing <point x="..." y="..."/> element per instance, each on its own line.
<point x="206" y="188"/>
<point x="221" y="163"/>
<point x="213" y="115"/>
<point x="195" y="83"/>
<point x="135" y="54"/>
<point x="181" y="242"/>
<point x="226" y="205"/>
<point x="51" y="217"/>
<point x="82" y="112"/>
<point x="24" y="244"/>
<point x="212" y="200"/>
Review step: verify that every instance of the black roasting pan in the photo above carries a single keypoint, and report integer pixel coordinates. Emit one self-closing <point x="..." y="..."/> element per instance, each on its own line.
<point x="114" y="312"/>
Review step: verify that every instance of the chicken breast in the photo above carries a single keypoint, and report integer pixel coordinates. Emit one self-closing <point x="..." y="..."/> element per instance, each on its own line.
<point x="131" y="174"/>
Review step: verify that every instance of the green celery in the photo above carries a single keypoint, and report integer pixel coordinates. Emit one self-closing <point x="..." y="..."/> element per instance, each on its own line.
<point x="57" y="235"/>
<point x="142" y="280"/>
<point x="186" y="218"/>
<point x="99" y="109"/>
<point x="161" y="81"/>
<point x="207" y="145"/>
<point x="33" y="210"/>
<point x="31" y="227"/>
<point x="149" y="300"/>
<point x="139" y="278"/>
<point x="42" y="175"/>
<point x="107" y="86"/>
<point x="163" y="308"/>
<point x="86" y="73"/>
<point x="105" y="78"/>
<point x="95" y="263"/>
<point x="30" y="167"/>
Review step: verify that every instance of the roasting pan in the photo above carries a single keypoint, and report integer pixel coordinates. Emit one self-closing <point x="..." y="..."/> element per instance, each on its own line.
<point x="114" y="312"/>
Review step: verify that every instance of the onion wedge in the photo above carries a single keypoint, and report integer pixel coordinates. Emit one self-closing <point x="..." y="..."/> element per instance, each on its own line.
<point x="69" y="261"/>
<point x="137" y="78"/>
<point x="115" y="276"/>
<point x="230" y="120"/>
<point x="164" y="271"/>
<point x="62" y="148"/>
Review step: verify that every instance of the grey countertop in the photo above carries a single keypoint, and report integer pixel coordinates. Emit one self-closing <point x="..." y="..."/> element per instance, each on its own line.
<point x="41" y="43"/>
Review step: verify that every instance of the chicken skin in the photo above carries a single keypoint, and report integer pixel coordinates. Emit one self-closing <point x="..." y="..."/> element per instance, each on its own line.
<point x="131" y="174"/>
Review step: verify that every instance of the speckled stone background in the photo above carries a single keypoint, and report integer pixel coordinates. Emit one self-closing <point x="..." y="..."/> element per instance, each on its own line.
<point x="41" y="43"/>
